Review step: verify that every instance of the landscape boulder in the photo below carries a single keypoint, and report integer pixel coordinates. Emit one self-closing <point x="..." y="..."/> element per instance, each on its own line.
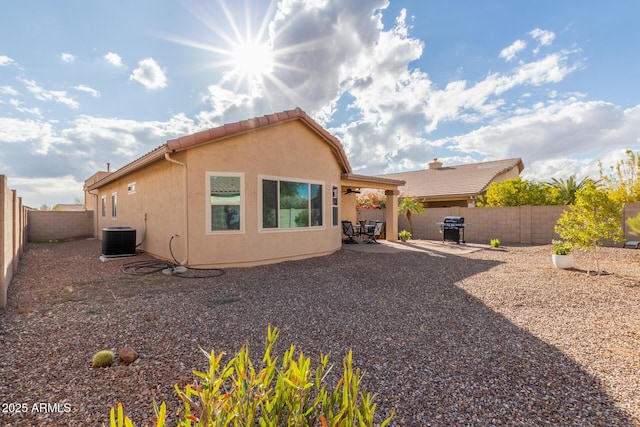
<point x="127" y="355"/>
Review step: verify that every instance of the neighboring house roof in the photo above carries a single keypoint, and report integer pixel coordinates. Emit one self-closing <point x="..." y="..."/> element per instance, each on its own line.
<point x="227" y="131"/>
<point x="68" y="207"/>
<point x="458" y="180"/>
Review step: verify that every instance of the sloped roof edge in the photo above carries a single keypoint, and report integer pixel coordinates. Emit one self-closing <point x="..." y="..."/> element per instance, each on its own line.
<point x="456" y="180"/>
<point x="366" y="180"/>
<point x="249" y="125"/>
<point x="148" y="158"/>
<point x="518" y="163"/>
<point x="226" y="131"/>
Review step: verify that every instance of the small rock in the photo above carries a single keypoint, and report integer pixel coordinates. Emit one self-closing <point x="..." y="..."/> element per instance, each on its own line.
<point x="127" y="355"/>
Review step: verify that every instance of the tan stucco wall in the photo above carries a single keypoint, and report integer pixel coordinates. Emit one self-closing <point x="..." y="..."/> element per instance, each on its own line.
<point x="156" y="206"/>
<point x="289" y="150"/>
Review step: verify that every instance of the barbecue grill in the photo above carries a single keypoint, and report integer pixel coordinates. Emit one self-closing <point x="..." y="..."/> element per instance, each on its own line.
<point x="452" y="227"/>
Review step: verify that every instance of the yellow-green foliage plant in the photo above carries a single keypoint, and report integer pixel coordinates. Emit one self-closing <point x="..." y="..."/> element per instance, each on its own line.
<point x="103" y="358"/>
<point x="495" y="243"/>
<point x="287" y="394"/>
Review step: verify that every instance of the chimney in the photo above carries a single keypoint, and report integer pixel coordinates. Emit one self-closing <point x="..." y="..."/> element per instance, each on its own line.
<point x="108" y="167"/>
<point x="435" y="164"/>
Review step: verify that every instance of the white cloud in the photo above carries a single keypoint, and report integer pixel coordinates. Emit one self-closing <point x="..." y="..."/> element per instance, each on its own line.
<point x="89" y="90"/>
<point x="49" y="95"/>
<point x="221" y="101"/>
<point x="18" y="106"/>
<point x="9" y="90"/>
<point x="5" y="60"/>
<point x="557" y="130"/>
<point x="149" y="74"/>
<point x="16" y="130"/>
<point x="114" y="59"/>
<point x="543" y="37"/>
<point x="67" y="57"/>
<point x="509" y="53"/>
<point x="50" y="190"/>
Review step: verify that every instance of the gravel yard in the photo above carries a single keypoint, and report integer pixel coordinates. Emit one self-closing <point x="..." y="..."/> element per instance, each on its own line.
<point x="494" y="337"/>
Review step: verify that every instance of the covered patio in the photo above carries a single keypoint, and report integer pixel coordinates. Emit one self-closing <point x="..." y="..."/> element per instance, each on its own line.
<point x="350" y="186"/>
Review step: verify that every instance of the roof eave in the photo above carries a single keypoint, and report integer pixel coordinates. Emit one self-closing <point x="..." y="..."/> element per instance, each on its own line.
<point x="231" y="130"/>
<point x="370" y="181"/>
<point x="141" y="162"/>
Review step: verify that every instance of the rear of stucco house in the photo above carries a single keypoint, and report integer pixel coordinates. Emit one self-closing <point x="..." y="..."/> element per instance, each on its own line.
<point x="258" y="191"/>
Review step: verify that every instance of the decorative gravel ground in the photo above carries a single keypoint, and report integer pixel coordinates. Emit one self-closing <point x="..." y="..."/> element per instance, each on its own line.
<point x="496" y="337"/>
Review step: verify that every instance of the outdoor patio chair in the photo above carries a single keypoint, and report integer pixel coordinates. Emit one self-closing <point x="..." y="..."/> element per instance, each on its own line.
<point x="347" y="230"/>
<point x="373" y="232"/>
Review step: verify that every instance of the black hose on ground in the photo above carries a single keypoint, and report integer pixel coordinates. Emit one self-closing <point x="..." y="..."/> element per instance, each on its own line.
<point x="141" y="268"/>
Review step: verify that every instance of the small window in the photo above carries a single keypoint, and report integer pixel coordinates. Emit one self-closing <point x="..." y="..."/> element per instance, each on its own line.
<point x="103" y="206"/>
<point x="114" y="205"/>
<point x="335" y="194"/>
<point x="225" y="202"/>
<point x="131" y="188"/>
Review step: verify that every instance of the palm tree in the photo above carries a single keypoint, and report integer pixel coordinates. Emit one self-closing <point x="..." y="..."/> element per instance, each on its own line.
<point x="410" y="205"/>
<point x="567" y="189"/>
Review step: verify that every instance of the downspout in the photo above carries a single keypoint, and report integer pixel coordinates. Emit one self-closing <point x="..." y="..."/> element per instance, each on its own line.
<point x="185" y="226"/>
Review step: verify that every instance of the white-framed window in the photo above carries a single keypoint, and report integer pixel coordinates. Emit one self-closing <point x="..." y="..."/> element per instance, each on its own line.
<point x="225" y="202"/>
<point x="289" y="203"/>
<point x="131" y="188"/>
<point x="114" y="205"/>
<point x="335" y="197"/>
<point x="103" y="206"/>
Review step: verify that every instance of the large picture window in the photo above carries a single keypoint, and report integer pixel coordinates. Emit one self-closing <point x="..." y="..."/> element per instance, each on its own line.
<point x="288" y="204"/>
<point x="226" y="202"/>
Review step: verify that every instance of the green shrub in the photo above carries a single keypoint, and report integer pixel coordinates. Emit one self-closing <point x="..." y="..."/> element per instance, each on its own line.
<point x="103" y="358"/>
<point x="292" y="394"/>
<point x="404" y="235"/>
<point x="561" y="247"/>
<point x="495" y="243"/>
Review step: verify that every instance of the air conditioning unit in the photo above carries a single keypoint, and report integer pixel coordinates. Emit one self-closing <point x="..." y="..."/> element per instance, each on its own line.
<point x="118" y="241"/>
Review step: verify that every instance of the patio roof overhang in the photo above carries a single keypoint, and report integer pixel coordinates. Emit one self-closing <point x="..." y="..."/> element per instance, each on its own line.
<point x="363" y="181"/>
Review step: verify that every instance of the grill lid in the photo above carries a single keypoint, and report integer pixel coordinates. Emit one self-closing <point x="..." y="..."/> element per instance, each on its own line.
<point x="453" y="220"/>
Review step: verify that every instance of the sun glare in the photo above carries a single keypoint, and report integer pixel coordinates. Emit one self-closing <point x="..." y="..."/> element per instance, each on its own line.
<point x="251" y="61"/>
<point x="241" y="50"/>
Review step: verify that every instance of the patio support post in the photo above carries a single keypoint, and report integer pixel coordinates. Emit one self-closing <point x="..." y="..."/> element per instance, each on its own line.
<point x="391" y="214"/>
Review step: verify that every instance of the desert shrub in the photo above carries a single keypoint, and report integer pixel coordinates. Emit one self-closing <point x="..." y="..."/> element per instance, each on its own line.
<point x="103" y="359"/>
<point x="236" y="393"/>
<point x="404" y="235"/>
<point x="495" y="243"/>
<point x="561" y="247"/>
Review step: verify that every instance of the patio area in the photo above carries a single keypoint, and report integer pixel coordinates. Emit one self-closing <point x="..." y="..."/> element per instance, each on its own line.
<point x="428" y="246"/>
<point x="482" y="337"/>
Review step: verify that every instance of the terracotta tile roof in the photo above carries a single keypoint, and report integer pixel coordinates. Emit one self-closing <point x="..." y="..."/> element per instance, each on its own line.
<point x="459" y="180"/>
<point x="256" y="123"/>
<point x="227" y="131"/>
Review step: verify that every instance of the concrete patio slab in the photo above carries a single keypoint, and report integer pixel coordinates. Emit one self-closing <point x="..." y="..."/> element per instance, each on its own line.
<point x="433" y="246"/>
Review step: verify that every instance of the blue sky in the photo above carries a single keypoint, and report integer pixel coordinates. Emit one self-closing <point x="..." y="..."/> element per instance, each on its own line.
<point x="398" y="82"/>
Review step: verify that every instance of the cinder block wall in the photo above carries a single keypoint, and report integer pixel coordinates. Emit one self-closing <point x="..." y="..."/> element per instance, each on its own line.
<point x="12" y="226"/>
<point x="45" y="226"/>
<point x="529" y="225"/>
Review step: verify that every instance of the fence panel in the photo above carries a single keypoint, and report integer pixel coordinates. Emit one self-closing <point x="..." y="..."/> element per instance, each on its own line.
<point x="12" y="232"/>
<point x="529" y="225"/>
<point x="47" y="226"/>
